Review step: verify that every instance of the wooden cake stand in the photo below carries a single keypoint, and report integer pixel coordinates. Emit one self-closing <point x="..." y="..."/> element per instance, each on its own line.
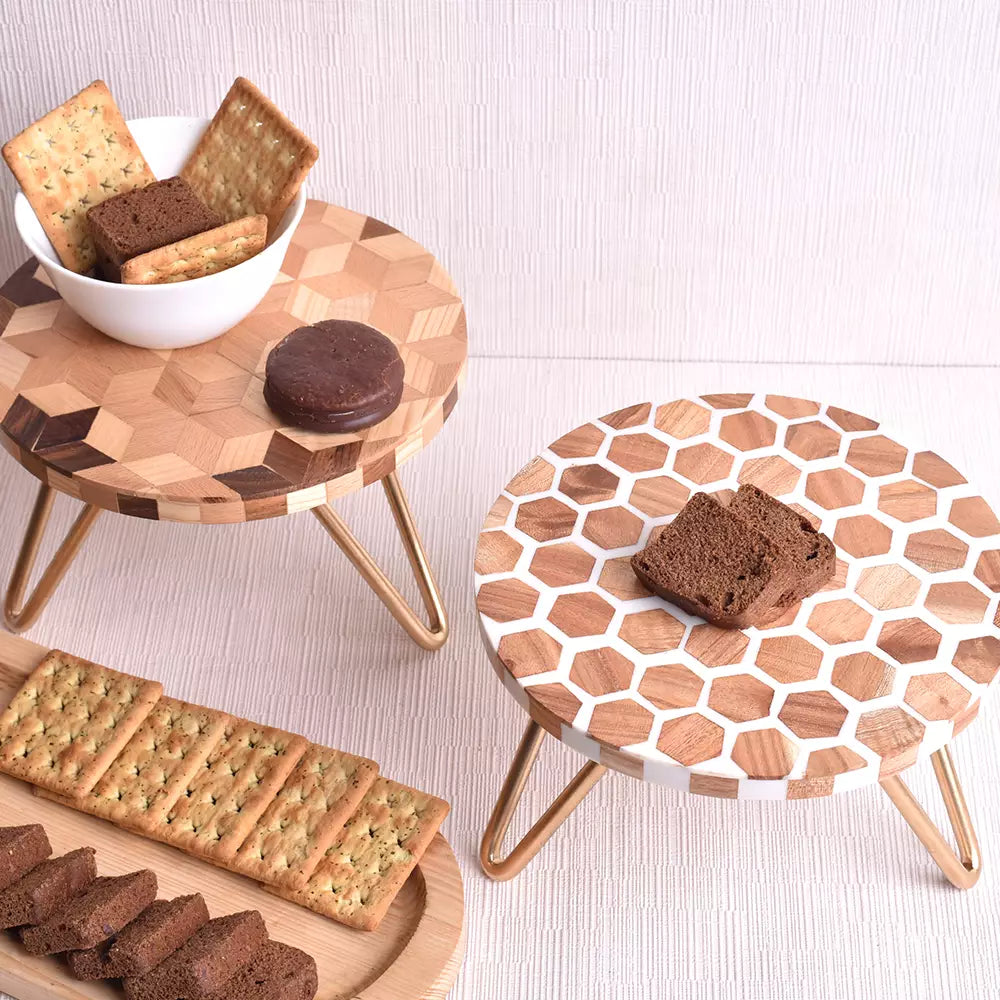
<point x="879" y="670"/>
<point x="185" y="435"/>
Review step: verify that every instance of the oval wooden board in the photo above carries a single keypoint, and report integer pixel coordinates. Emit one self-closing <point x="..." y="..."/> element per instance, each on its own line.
<point x="414" y="955"/>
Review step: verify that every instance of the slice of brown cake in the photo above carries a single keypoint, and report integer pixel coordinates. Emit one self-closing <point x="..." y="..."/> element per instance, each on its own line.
<point x="712" y="563"/>
<point x="152" y="937"/>
<point x="102" y="910"/>
<point x="206" y="962"/>
<point x="277" y="972"/>
<point x="21" y="849"/>
<point x="47" y="888"/>
<point x="812" y="553"/>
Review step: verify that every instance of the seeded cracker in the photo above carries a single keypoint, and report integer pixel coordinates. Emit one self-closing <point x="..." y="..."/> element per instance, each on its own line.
<point x="71" y="159"/>
<point x="308" y="813"/>
<point x="227" y="796"/>
<point x="69" y="721"/>
<point x="194" y="257"/>
<point x="155" y="766"/>
<point x="363" y="871"/>
<point x="251" y="158"/>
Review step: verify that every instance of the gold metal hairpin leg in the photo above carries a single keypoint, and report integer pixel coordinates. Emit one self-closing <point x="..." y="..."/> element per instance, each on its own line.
<point x="962" y="869"/>
<point x="18" y="613"/>
<point x="499" y="868"/>
<point x="430" y="636"/>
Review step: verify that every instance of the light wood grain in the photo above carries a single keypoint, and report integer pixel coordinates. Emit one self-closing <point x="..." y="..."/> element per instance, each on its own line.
<point x="414" y="954"/>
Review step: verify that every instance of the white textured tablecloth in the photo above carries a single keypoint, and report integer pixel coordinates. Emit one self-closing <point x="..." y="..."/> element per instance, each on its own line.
<point x="645" y="892"/>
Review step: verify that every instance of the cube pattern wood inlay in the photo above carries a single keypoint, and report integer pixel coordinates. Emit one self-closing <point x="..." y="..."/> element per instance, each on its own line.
<point x="881" y="668"/>
<point x="185" y="435"/>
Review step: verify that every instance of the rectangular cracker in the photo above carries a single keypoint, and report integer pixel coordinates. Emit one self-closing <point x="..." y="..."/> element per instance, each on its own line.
<point x="312" y="807"/>
<point x="365" y="868"/>
<point x="155" y="766"/>
<point x="205" y="253"/>
<point x="251" y="159"/>
<point x="71" y="159"/>
<point x="222" y="802"/>
<point x="69" y="721"/>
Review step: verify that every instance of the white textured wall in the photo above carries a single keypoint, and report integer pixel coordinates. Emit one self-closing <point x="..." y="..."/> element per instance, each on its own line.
<point x="811" y="181"/>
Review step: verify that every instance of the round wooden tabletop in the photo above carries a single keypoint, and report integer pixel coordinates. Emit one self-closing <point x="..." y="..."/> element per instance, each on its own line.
<point x="185" y="435"/>
<point x="880" y="669"/>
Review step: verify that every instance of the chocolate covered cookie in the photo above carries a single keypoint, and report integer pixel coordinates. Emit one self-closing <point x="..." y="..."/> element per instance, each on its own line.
<point x="337" y="376"/>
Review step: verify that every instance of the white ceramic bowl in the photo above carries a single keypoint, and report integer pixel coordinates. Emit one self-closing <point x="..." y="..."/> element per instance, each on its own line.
<point x="180" y="313"/>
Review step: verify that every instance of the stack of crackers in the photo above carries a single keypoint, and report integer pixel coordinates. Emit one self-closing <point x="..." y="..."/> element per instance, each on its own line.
<point x="317" y="826"/>
<point x="246" y="170"/>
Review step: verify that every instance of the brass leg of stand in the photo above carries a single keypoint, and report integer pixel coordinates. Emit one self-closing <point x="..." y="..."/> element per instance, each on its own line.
<point x="19" y="613"/>
<point x="964" y="868"/>
<point x="499" y="868"/>
<point x="430" y="636"/>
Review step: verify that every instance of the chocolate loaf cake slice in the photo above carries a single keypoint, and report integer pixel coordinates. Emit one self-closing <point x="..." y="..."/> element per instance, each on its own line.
<point x="812" y="554"/>
<point x="278" y="972"/>
<point x="152" y="937"/>
<point x="103" y="909"/>
<point x="47" y="888"/>
<point x="21" y="849"/>
<point x="712" y="563"/>
<point x="206" y="963"/>
<point x="90" y="963"/>
<point x="143" y="219"/>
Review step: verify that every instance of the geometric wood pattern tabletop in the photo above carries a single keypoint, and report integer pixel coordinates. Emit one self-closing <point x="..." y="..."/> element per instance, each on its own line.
<point x="185" y="435"/>
<point x="878" y="670"/>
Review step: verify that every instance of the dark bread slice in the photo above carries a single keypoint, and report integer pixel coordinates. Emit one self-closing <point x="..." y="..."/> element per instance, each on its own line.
<point x="714" y="564"/>
<point x="21" y="849"/>
<point x="156" y="935"/>
<point x="205" y="963"/>
<point x="812" y="554"/>
<point x="153" y="936"/>
<point x="100" y="911"/>
<point x="47" y="888"/>
<point x="278" y="972"/>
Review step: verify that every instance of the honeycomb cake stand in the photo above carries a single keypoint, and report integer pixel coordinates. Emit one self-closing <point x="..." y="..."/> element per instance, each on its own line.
<point x="185" y="435"/>
<point x="880" y="669"/>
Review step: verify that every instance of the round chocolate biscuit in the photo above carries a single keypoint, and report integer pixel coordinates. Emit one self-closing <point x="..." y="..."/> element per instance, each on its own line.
<point x="336" y="376"/>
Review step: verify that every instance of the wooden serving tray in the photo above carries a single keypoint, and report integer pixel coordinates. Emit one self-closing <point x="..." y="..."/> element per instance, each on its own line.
<point x="414" y="955"/>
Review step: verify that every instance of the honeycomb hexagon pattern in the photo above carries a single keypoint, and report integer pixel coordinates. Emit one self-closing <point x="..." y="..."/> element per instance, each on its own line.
<point x="879" y="669"/>
<point x="186" y="435"/>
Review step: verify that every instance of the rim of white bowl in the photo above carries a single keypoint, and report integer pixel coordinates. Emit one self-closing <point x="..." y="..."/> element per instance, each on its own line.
<point x="297" y="208"/>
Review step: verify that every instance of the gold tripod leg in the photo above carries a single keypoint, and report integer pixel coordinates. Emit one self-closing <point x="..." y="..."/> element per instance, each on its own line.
<point x="429" y="637"/>
<point x="18" y="613"/>
<point x="499" y="868"/>
<point x="962" y="869"/>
